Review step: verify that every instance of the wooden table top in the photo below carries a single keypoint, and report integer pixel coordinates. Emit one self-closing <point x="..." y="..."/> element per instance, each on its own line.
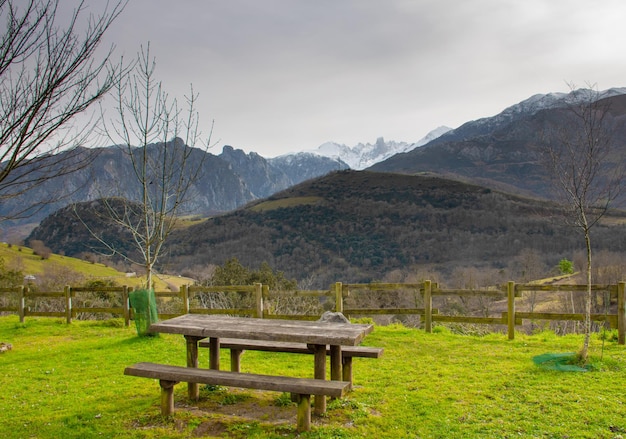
<point x="302" y="331"/>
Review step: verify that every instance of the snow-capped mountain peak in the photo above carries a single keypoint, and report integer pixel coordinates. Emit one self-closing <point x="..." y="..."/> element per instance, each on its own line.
<point x="363" y="156"/>
<point x="540" y="102"/>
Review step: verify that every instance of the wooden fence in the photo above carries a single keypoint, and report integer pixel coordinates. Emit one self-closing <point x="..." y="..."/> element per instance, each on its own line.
<point x="258" y="301"/>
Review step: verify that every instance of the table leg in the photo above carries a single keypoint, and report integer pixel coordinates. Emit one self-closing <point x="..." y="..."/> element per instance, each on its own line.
<point x="335" y="363"/>
<point x="214" y="353"/>
<point x="320" y="373"/>
<point x="235" y="360"/>
<point x="192" y="361"/>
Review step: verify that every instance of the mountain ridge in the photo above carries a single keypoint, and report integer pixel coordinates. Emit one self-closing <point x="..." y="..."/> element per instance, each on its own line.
<point x="227" y="181"/>
<point x="504" y="151"/>
<point x="363" y="226"/>
<point x="474" y="196"/>
<point x="364" y="155"/>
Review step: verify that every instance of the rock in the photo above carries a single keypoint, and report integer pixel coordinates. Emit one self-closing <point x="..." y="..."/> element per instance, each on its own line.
<point x="5" y="347"/>
<point x="333" y="317"/>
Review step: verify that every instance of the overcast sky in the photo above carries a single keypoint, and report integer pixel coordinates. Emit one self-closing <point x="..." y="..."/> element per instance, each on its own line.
<point x="280" y="76"/>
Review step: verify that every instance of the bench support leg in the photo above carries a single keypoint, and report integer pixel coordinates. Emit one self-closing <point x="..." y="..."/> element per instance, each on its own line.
<point x="320" y="374"/>
<point x="167" y="396"/>
<point x="347" y="370"/>
<point x="304" y="412"/>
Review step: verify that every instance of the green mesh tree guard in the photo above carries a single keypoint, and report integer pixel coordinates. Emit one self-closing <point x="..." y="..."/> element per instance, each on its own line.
<point x="144" y="307"/>
<point x="564" y="362"/>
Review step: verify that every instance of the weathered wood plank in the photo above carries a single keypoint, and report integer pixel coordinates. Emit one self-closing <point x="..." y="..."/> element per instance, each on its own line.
<point x="457" y="292"/>
<point x="530" y="287"/>
<point x="221" y="311"/>
<point x="308" y="386"/>
<point x="96" y="290"/>
<point x="267" y="315"/>
<point x="612" y="319"/>
<point x="468" y="319"/>
<point x="293" y="348"/>
<point x="383" y="286"/>
<point x="302" y="388"/>
<point x="385" y="311"/>
<point x="76" y="310"/>
<point x="344" y="334"/>
<point x="222" y="289"/>
<point x="44" y="294"/>
<point x="299" y="293"/>
<point x="44" y="313"/>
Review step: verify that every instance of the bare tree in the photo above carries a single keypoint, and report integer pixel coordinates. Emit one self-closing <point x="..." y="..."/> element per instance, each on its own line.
<point x="49" y="73"/>
<point x="587" y="174"/>
<point x="156" y="133"/>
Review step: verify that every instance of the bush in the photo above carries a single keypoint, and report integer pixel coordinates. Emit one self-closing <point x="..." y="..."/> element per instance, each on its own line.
<point x="566" y="266"/>
<point x="40" y="249"/>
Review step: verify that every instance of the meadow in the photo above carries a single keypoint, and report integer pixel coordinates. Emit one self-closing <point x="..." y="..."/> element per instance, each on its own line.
<point x="68" y="270"/>
<point x="66" y="381"/>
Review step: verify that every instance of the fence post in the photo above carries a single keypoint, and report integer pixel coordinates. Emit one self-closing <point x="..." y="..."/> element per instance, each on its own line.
<point x="621" y="313"/>
<point x="126" y="305"/>
<point x="338" y="297"/>
<point x="21" y="305"/>
<point x="266" y="295"/>
<point x="510" y="289"/>
<point x="68" y="304"/>
<point x="131" y="314"/>
<point x="258" y="292"/>
<point x="428" y="306"/>
<point x="184" y="292"/>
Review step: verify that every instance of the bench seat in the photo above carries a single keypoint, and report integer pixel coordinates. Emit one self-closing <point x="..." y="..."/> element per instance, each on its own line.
<point x="237" y="346"/>
<point x="294" y="348"/>
<point x="302" y="388"/>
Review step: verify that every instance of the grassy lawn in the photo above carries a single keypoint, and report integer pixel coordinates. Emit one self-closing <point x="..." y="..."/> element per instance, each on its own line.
<point x="66" y="381"/>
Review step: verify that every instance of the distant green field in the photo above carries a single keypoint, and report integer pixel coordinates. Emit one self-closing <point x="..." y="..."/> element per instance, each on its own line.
<point x="66" y="381"/>
<point x="285" y="202"/>
<point x="23" y="259"/>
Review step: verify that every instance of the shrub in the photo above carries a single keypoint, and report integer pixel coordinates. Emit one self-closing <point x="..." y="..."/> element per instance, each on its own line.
<point x="40" y="249"/>
<point x="566" y="266"/>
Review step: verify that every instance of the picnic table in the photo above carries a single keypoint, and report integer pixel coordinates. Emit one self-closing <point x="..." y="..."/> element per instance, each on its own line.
<point x="320" y="336"/>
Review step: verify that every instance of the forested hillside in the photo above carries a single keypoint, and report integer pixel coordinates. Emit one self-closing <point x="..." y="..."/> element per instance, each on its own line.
<point x="361" y="226"/>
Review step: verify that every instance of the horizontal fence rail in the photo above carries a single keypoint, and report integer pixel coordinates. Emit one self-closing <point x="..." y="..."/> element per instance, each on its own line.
<point x="353" y="300"/>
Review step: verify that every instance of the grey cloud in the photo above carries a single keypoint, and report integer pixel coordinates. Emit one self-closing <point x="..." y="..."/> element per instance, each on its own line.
<point x="280" y="75"/>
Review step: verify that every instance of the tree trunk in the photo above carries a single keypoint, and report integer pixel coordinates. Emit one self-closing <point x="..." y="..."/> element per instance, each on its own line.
<point x="585" y="349"/>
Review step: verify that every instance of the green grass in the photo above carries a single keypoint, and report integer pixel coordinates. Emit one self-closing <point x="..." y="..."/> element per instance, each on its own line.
<point x="66" y="381"/>
<point x="23" y="259"/>
<point x="285" y="202"/>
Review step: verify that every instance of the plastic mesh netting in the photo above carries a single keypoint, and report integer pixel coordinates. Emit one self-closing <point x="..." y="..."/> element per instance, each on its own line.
<point x="144" y="307"/>
<point x="564" y="362"/>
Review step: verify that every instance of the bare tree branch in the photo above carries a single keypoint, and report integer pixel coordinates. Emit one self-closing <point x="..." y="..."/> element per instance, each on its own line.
<point x="49" y="74"/>
<point x="586" y="173"/>
<point x="164" y="145"/>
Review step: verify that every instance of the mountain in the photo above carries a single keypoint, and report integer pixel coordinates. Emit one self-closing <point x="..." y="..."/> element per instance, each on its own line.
<point x="503" y="151"/>
<point x="362" y="226"/>
<point x="474" y="197"/>
<point x="363" y="156"/>
<point x="226" y="182"/>
<point x="305" y="166"/>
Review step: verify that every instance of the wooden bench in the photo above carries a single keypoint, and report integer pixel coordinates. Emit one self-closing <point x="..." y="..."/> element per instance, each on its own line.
<point x="238" y="346"/>
<point x="300" y="388"/>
